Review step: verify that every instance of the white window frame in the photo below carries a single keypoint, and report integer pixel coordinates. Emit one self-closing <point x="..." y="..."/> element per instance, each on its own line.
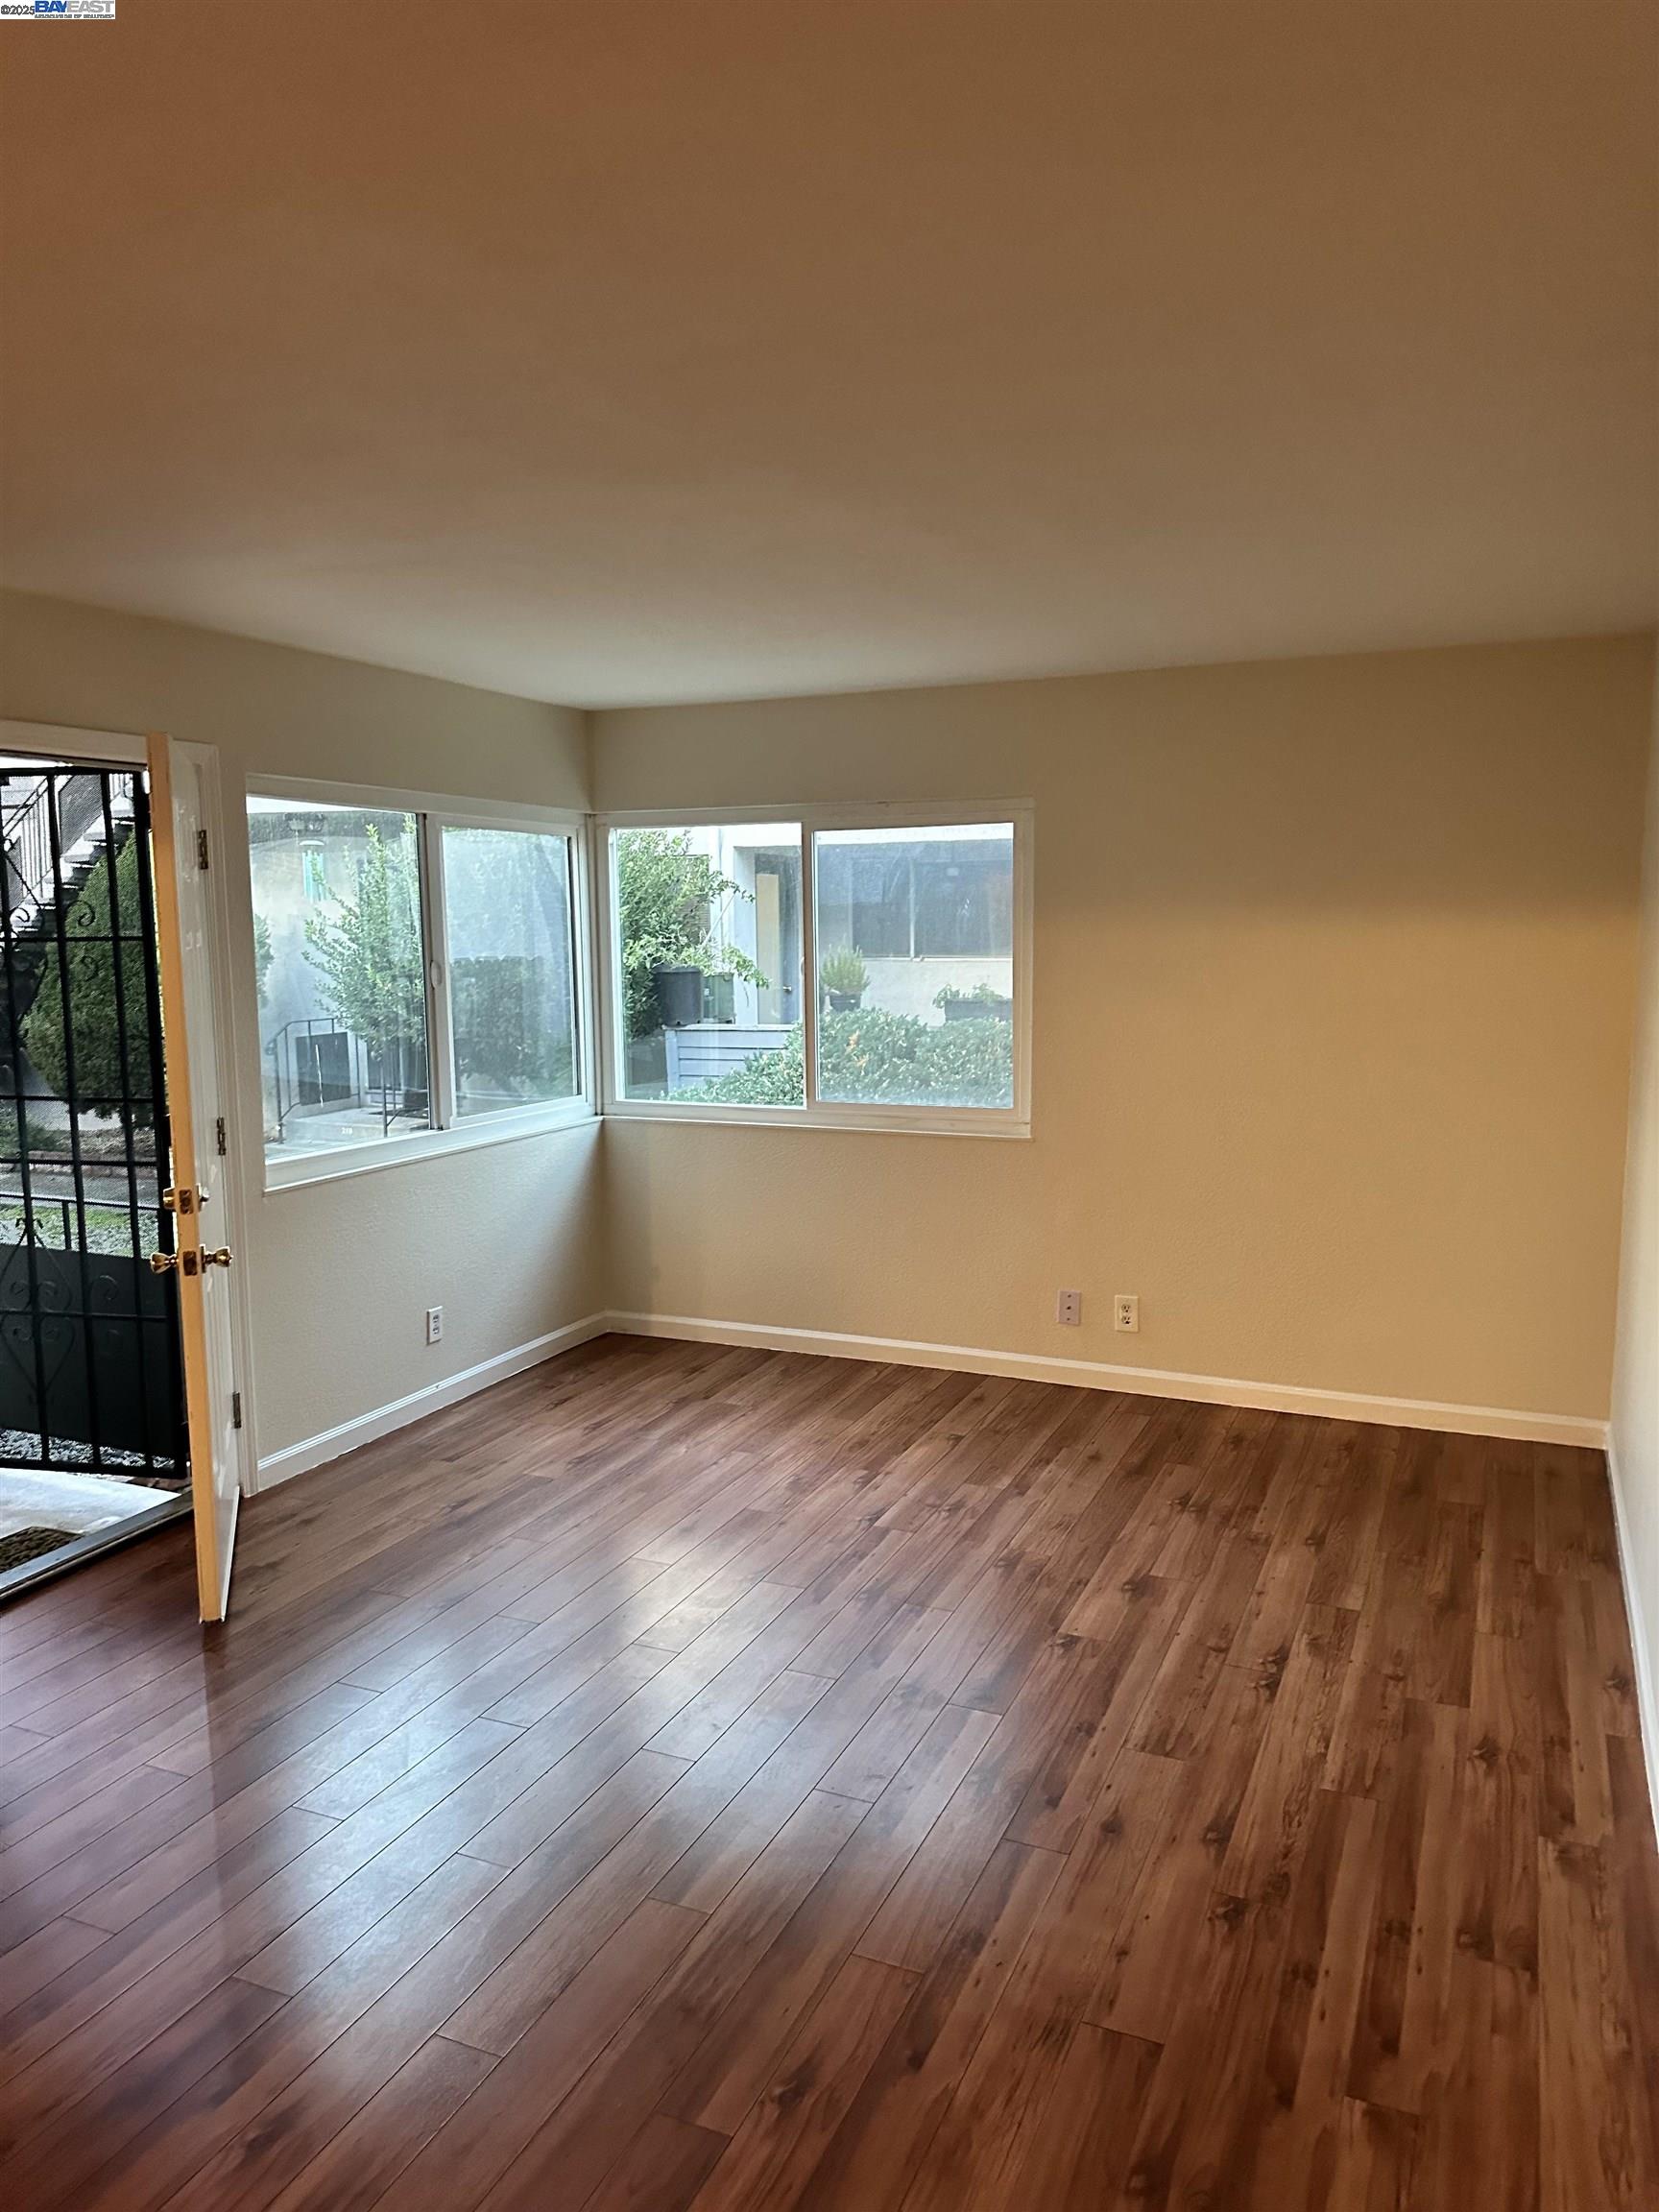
<point x="1003" y="1121"/>
<point x="450" y="1133"/>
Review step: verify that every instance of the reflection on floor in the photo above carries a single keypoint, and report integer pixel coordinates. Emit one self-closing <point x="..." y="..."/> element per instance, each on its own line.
<point x="33" y="1497"/>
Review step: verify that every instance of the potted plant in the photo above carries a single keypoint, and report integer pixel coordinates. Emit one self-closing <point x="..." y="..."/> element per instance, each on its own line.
<point x="844" y="978"/>
<point x="672" y="908"/>
<point x="983" y="1003"/>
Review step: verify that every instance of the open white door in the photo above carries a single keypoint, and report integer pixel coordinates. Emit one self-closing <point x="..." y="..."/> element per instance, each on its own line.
<point x="197" y="1196"/>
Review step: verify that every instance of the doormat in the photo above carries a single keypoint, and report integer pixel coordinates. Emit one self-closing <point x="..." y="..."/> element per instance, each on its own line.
<point x="22" y="1544"/>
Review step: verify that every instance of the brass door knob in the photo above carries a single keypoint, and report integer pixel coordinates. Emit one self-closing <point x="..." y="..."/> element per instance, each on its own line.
<point x="219" y="1257"/>
<point x="164" y="1263"/>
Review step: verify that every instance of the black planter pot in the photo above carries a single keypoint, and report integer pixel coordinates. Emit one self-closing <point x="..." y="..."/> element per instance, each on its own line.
<point x="845" y="1001"/>
<point x="978" y="1009"/>
<point x="679" y="995"/>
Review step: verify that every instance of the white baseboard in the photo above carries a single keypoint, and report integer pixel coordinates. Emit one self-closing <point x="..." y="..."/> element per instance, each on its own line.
<point x="905" y="1352"/>
<point x="1146" y="1381"/>
<point x="331" y="1443"/>
<point x="1641" y="1649"/>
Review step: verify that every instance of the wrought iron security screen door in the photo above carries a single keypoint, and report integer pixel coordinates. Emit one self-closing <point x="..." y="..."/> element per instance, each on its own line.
<point x="90" y="1370"/>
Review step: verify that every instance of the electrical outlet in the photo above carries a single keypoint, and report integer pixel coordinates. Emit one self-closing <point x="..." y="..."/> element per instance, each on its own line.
<point x="1127" y="1311"/>
<point x="433" y="1324"/>
<point x="1068" y="1309"/>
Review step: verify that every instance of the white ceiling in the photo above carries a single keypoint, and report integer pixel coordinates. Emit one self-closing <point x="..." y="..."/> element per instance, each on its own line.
<point x="681" y="349"/>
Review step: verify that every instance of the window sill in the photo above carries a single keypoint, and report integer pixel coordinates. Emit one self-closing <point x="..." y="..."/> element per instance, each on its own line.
<point x="890" y="1121"/>
<point x="299" y="1170"/>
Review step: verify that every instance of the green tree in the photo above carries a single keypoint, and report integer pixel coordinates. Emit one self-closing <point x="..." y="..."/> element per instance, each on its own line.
<point x="368" y="951"/>
<point x="86" y="963"/>
<point x="672" y="905"/>
<point x="262" y="952"/>
<point x="507" y="893"/>
<point x="511" y="1033"/>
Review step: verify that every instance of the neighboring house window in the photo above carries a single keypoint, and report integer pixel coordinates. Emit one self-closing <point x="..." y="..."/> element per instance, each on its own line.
<point x="917" y="1011"/>
<point x="934" y="1025"/>
<point x="416" y="972"/>
<point x="925" y="894"/>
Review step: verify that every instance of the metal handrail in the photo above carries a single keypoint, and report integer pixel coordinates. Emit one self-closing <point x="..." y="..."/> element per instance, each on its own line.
<point x="285" y="1086"/>
<point x="27" y="840"/>
<point x="33" y="1204"/>
<point x="280" y="1048"/>
<point x="41" y="866"/>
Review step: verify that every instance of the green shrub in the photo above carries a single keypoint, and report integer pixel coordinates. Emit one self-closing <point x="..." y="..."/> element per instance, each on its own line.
<point x="764" y="1079"/>
<point x="503" y="1039"/>
<point x="878" y="1059"/>
<point x="86" y="963"/>
<point x="970" y="1062"/>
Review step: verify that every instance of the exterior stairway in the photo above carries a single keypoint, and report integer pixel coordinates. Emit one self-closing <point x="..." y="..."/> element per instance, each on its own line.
<point x="37" y="881"/>
<point x="53" y="837"/>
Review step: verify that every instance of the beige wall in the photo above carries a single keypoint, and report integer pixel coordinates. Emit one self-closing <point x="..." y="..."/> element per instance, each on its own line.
<point x="1636" y="1373"/>
<point x="1335" y="965"/>
<point x="506" y="1237"/>
<point x="1335" y="968"/>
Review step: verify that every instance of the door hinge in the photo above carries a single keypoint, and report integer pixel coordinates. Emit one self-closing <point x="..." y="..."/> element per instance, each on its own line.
<point x="235" y="1408"/>
<point x="201" y="848"/>
<point x="219" y="1136"/>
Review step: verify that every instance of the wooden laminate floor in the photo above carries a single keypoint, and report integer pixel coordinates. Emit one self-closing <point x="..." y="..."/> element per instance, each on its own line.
<point x="689" y="1777"/>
